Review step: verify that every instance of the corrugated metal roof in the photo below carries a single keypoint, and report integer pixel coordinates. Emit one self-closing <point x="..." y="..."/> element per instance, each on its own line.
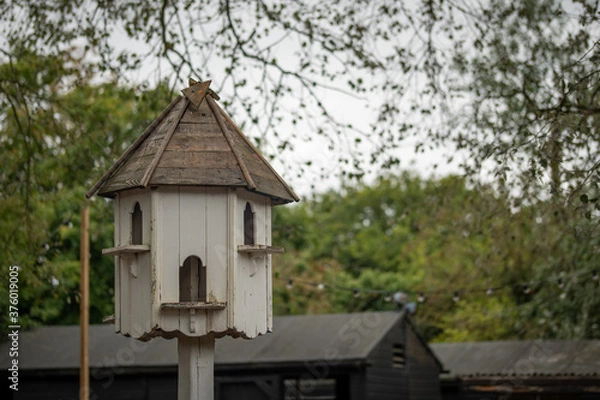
<point x="520" y="358"/>
<point x="194" y="142"/>
<point x="338" y="337"/>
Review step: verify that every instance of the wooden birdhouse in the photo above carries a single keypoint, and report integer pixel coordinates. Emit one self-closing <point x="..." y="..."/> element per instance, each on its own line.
<point x="192" y="200"/>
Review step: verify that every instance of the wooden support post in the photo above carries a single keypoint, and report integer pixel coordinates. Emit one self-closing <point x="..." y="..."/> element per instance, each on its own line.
<point x="84" y="304"/>
<point x="196" y="368"/>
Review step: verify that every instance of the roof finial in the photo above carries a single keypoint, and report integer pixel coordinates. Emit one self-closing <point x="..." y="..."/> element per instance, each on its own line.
<point x="196" y="92"/>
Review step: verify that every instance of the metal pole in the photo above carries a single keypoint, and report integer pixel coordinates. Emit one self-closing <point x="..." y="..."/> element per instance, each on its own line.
<point x="196" y="368"/>
<point x="84" y="305"/>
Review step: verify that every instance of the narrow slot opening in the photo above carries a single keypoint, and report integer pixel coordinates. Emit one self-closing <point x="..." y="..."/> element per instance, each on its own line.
<point x="136" y="225"/>
<point x="192" y="280"/>
<point x="249" y="225"/>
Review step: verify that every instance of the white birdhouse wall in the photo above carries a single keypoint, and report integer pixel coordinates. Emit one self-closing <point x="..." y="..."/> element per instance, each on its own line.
<point x="192" y="222"/>
<point x="195" y="229"/>
<point x="133" y="270"/>
<point x="251" y="295"/>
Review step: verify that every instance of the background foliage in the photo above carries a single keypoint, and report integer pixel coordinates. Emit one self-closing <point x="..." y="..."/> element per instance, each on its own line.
<point x="51" y="140"/>
<point x="510" y="89"/>
<point x="438" y="237"/>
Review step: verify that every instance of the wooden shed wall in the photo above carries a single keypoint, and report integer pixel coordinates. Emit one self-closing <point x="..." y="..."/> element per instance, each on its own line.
<point x="383" y="381"/>
<point x="424" y="382"/>
<point x="110" y="387"/>
<point x="521" y="388"/>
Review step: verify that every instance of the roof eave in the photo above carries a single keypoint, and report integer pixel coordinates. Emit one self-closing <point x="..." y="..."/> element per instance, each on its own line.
<point x="97" y="188"/>
<point x="275" y="200"/>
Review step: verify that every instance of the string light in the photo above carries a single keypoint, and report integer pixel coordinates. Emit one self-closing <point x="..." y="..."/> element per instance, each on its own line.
<point x="403" y="297"/>
<point x="400" y="298"/>
<point x="562" y="296"/>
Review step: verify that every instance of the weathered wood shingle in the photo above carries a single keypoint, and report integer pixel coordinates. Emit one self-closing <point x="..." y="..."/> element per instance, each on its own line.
<point x="194" y="143"/>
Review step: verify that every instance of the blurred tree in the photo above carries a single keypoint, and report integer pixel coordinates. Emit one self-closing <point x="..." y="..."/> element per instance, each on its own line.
<point x="55" y="138"/>
<point x="565" y="300"/>
<point x="512" y="85"/>
<point x="438" y="237"/>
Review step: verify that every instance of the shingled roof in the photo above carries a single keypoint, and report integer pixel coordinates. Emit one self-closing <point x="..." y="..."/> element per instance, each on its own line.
<point x="521" y="358"/>
<point x="295" y="339"/>
<point x="194" y="143"/>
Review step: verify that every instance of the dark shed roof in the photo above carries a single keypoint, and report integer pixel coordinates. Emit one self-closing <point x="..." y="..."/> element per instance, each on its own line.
<point x="344" y="338"/>
<point x="521" y="358"/>
<point x="194" y="142"/>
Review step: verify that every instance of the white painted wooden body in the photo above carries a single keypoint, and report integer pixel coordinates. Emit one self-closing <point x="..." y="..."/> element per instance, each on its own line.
<point x="179" y="222"/>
